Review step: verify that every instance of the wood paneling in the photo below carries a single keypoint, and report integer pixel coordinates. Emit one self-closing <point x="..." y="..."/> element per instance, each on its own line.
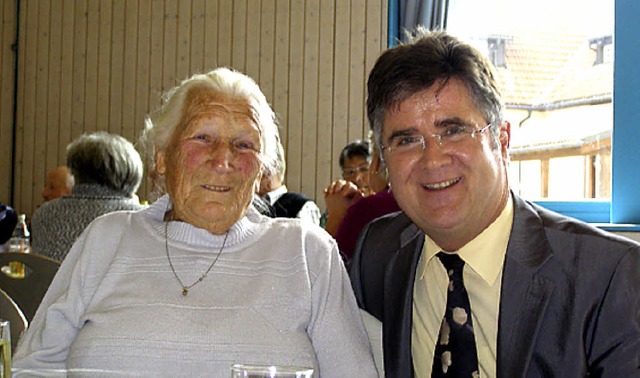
<point x="7" y="91"/>
<point x="87" y="65"/>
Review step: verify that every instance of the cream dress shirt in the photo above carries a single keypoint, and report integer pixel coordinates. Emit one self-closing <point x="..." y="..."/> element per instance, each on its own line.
<point x="482" y="274"/>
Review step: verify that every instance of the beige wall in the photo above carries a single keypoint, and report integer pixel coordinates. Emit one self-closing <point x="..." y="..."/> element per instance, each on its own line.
<point x="87" y="65"/>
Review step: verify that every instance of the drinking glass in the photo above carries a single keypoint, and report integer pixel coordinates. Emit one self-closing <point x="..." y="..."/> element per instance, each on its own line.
<point x="5" y="349"/>
<point x="265" y="371"/>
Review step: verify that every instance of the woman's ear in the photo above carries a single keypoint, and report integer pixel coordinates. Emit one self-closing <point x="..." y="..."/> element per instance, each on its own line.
<point x="159" y="159"/>
<point x="256" y="184"/>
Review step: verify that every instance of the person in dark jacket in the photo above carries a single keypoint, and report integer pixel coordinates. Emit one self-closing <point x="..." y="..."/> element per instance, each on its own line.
<point x="284" y="203"/>
<point x="471" y="279"/>
<point x="8" y="221"/>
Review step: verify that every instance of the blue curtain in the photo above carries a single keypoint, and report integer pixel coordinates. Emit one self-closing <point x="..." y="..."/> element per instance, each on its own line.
<point x="407" y="14"/>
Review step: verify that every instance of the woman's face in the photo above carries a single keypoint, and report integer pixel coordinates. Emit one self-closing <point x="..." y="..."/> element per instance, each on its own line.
<point x="212" y="163"/>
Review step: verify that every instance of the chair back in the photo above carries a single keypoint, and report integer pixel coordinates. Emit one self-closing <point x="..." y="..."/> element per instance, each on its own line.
<point x="10" y="311"/>
<point x="29" y="290"/>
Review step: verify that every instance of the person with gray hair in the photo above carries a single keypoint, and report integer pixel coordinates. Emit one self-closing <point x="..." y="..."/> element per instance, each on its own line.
<point x="107" y="171"/>
<point x="285" y="203"/>
<point x="470" y="279"/>
<point x="200" y="280"/>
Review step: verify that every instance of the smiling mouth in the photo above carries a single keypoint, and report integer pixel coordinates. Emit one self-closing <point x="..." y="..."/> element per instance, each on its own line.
<point x="442" y="185"/>
<point x="220" y="189"/>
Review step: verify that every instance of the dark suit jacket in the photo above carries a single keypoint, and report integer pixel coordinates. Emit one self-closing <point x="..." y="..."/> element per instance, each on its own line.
<point x="569" y="304"/>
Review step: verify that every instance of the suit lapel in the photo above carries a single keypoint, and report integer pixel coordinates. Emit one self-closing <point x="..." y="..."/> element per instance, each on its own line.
<point x="525" y="293"/>
<point x="398" y="298"/>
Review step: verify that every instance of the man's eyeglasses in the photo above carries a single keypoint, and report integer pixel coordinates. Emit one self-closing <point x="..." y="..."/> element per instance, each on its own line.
<point x="452" y="137"/>
<point x="350" y="172"/>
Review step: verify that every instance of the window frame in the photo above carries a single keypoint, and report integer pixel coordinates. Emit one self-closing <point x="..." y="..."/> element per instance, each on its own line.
<point x="623" y="211"/>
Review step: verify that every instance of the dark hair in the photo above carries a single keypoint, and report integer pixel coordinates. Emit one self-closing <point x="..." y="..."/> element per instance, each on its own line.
<point x="356" y="148"/>
<point x="8" y="222"/>
<point x="105" y="159"/>
<point x="426" y="59"/>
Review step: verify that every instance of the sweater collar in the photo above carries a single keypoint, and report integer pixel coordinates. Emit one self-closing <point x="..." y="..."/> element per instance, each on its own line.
<point x="247" y="227"/>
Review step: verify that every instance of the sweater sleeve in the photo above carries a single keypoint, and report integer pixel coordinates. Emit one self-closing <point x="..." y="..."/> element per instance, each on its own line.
<point x="45" y="345"/>
<point x="336" y="328"/>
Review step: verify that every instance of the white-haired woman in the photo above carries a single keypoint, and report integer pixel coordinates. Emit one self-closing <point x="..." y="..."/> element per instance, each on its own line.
<point x="200" y="280"/>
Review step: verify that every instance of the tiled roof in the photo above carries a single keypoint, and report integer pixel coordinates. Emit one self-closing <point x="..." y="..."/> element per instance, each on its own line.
<point x="549" y="68"/>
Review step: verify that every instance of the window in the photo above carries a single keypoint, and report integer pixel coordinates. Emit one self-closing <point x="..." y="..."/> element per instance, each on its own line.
<point x="598" y="173"/>
<point x="497" y="51"/>
<point x="603" y="48"/>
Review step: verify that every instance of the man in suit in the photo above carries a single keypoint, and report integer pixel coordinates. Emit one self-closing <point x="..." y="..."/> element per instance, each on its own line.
<point x="548" y="295"/>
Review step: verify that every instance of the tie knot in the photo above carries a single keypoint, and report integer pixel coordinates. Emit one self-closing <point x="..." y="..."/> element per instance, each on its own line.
<point x="451" y="262"/>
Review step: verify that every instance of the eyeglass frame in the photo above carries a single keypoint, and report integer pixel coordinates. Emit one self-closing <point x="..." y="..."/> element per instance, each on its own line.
<point x="359" y="169"/>
<point x="438" y="137"/>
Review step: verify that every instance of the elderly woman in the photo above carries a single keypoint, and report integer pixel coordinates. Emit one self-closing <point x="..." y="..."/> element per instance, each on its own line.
<point x="107" y="170"/>
<point x="200" y="280"/>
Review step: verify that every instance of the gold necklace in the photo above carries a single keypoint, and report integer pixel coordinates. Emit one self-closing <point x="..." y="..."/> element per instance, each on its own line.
<point x="185" y="289"/>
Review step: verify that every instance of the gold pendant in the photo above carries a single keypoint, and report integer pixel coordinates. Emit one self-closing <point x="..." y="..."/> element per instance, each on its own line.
<point x="185" y="291"/>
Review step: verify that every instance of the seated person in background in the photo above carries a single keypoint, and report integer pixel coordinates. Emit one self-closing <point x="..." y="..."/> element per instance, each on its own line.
<point x="354" y="162"/>
<point x="59" y="183"/>
<point x="263" y="206"/>
<point x="107" y="171"/>
<point x="366" y="209"/>
<point x="285" y="203"/>
<point x="200" y="280"/>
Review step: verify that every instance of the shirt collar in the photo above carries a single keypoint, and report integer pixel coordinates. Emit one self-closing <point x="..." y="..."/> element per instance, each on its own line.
<point x="485" y="253"/>
<point x="275" y="194"/>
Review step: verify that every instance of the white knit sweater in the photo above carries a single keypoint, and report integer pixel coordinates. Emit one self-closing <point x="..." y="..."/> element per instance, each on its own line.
<point x="278" y="294"/>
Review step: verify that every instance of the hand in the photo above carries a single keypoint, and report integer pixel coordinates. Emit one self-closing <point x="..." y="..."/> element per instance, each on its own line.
<point x="338" y="196"/>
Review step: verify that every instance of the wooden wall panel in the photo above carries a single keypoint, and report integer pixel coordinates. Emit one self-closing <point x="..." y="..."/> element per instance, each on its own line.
<point x="293" y="128"/>
<point x="25" y="131"/>
<point x="267" y="57"/>
<point x="325" y="156"/>
<point x="51" y="114"/>
<point x="8" y="15"/>
<point x="66" y="83"/>
<point x="79" y="68"/>
<point x="87" y="65"/>
<point x="280" y="97"/>
<point x="357" y="74"/>
<point x="310" y="100"/>
<point x="196" y="40"/>
<point x="115" y="95"/>
<point x="225" y="27"/>
<point x="251" y="44"/>
<point x="339" y="120"/>
<point x="239" y="36"/>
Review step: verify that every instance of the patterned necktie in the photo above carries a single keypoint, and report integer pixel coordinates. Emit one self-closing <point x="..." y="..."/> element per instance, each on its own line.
<point x="455" y="354"/>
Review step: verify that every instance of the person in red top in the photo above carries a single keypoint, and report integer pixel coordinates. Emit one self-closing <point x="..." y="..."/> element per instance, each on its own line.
<point x="368" y="208"/>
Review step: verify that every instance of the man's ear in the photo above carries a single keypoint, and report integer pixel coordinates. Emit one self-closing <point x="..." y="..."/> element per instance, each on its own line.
<point x="161" y="166"/>
<point x="376" y="164"/>
<point x="505" y="137"/>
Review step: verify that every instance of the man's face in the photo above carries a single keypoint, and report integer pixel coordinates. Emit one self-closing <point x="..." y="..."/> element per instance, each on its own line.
<point x="212" y="164"/>
<point x="454" y="191"/>
<point x="56" y="184"/>
<point x="356" y="170"/>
